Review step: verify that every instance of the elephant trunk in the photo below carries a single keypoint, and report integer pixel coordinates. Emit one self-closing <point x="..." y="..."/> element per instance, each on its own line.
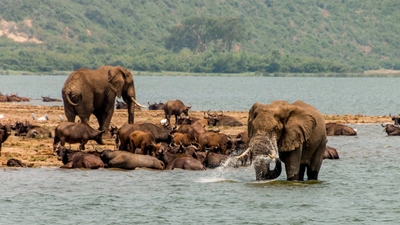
<point x="263" y="170"/>
<point x="264" y="149"/>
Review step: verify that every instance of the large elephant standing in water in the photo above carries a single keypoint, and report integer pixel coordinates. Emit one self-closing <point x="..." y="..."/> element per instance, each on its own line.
<point x="87" y="92"/>
<point x="291" y="133"/>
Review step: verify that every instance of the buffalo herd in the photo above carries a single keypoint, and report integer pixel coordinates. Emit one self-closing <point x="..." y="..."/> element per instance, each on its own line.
<point x="189" y="143"/>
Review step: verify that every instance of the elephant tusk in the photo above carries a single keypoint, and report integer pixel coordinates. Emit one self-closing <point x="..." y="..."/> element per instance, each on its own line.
<point x="137" y="103"/>
<point x="243" y="154"/>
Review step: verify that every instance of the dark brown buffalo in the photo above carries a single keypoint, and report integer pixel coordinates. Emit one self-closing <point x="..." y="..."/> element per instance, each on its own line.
<point x="219" y="119"/>
<point x="143" y="142"/>
<point x="161" y="134"/>
<point x="156" y="106"/>
<point x="188" y="120"/>
<point x="331" y="153"/>
<point x="15" y="163"/>
<point x="176" y="108"/>
<point x="48" y="99"/>
<point x="16" y="98"/>
<point x="333" y="129"/>
<point x="396" y="119"/>
<point x="213" y="160"/>
<point x="113" y="130"/>
<point x="3" y="98"/>
<point x="13" y="98"/>
<point x="391" y="129"/>
<point x="77" y="159"/>
<point x="71" y="132"/>
<point x="5" y="132"/>
<point x="129" y="161"/>
<point x="166" y="156"/>
<point x="241" y="146"/>
<point x="121" y="105"/>
<point x="29" y="130"/>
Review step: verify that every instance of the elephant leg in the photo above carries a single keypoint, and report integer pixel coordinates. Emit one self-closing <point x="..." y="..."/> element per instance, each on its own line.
<point x="104" y="118"/>
<point x="312" y="174"/>
<point x="316" y="162"/>
<point x="292" y="161"/>
<point x="302" y="171"/>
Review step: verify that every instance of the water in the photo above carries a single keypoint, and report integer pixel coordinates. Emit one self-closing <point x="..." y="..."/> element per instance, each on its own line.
<point x="362" y="187"/>
<point x="366" y="96"/>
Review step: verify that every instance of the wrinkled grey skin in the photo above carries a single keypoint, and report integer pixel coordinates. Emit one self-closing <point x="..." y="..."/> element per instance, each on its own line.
<point x="293" y="133"/>
<point x="87" y="92"/>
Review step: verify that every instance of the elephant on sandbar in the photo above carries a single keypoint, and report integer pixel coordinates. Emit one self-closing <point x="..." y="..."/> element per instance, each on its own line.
<point x="87" y="92"/>
<point x="291" y="133"/>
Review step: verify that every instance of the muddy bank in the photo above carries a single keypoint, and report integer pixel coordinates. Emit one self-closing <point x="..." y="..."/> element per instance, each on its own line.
<point x="39" y="152"/>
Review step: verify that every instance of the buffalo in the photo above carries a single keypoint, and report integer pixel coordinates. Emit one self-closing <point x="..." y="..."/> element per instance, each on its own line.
<point x="161" y="134"/>
<point x="186" y="163"/>
<point x="77" y="159"/>
<point x="15" y="163"/>
<point x="219" y="119"/>
<point x="29" y="130"/>
<point x="48" y="99"/>
<point x="16" y="98"/>
<point x="183" y="138"/>
<point x="156" y="106"/>
<point x="76" y="133"/>
<point x="121" y="105"/>
<point x="176" y="108"/>
<point x="331" y="153"/>
<point x="3" y="98"/>
<point x="333" y="129"/>
<point x="145" y="141"/>
<point x="179" y="161"/>
<point x="391" y="129"/>
<point x="213" y="160"/>
<point x="5" y="132"/>
<point x="220" y="143"/>
<point x="129" y="161"/>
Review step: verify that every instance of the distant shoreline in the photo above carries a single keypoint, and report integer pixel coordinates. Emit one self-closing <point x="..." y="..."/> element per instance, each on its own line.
<point x="366" y="74"/>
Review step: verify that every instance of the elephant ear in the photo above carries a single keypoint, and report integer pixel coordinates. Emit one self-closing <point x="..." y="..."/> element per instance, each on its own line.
<point x="252" y="115"/>
<point x="116" y="80"/>
<point x="299" y="127"/>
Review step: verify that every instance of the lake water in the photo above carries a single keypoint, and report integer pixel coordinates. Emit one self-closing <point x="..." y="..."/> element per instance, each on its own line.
<point x="366" y="96"/>
<point x="362" y="187"/>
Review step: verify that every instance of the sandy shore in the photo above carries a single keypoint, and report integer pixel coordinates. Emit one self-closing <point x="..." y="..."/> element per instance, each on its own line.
<point x="39" y="152"/>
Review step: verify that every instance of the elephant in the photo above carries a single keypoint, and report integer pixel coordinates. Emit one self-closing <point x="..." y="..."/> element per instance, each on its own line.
<point x="87" y="92"/>
<point x="293" y="133"/>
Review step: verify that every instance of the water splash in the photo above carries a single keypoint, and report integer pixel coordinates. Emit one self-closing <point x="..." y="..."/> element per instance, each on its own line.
<point x="220" y="173"/>
<point x="263" y="144"/>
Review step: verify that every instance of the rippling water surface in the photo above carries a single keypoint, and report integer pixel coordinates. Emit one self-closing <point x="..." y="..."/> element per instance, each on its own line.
<point x="362" y="187"/>
<point x="367" y="96"/>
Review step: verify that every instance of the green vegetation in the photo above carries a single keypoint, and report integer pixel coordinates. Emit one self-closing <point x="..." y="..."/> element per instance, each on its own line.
<point x="200" y="36"/>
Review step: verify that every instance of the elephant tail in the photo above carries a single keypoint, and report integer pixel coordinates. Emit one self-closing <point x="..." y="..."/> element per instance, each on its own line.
<point x="67" y="96"/>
